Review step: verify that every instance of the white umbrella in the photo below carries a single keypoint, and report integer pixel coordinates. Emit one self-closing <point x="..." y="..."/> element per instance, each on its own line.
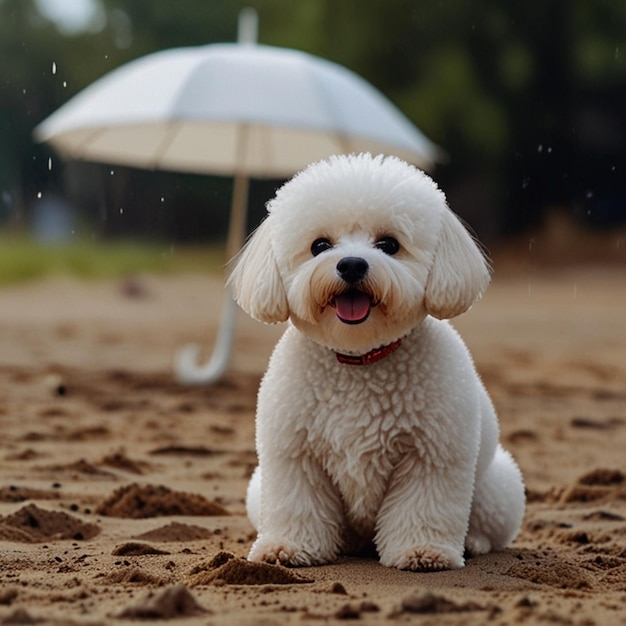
<point x="233" y="109"/>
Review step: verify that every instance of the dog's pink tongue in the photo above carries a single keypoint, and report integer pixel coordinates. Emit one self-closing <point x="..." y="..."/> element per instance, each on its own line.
<point x="352" y="306"/>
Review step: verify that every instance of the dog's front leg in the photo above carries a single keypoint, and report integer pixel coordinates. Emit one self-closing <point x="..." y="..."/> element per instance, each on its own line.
<point x="423" y="519"/>
<point x="301" y="520"/>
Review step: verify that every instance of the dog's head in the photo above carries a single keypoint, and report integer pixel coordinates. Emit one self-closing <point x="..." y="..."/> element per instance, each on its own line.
<point x="356" y="251"/>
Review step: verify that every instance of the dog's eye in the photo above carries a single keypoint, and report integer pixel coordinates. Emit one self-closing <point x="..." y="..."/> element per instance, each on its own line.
<point x="389" y="245"/>
<point x="320" y="245"/>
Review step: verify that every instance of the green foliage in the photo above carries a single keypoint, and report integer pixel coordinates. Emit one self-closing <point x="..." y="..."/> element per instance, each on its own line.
<point x="488" y="80"/>
<point x="22" y="259"/>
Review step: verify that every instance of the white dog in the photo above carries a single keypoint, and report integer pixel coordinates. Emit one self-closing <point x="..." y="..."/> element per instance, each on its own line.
<point x="372" y="423"/>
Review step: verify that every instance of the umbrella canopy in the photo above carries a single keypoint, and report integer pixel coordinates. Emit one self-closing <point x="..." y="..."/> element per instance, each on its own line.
<point x="241" y="110"/>
<point x="228" y="108"/>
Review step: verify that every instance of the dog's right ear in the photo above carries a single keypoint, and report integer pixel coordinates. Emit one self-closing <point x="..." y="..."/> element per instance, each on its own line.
<point x="255" y="280"/>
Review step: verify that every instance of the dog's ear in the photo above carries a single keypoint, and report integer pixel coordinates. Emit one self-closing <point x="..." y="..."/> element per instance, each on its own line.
<point x="255" y="279"/>
<point x="459" y="274"/>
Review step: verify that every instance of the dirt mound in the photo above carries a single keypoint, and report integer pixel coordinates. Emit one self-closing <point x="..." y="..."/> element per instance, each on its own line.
<point x="226" y="569"/>
<point x="119" y="460"/>
<point x="139" y="502"/>
<point x="428" y="602"/>
<point x="171" y="603"/>
<point x="30" y="524"/>
<point x="599" y="485"/>
<point x="134" y="548"/>
<point x="15" y="493"/>
<point x="175" y="531"/>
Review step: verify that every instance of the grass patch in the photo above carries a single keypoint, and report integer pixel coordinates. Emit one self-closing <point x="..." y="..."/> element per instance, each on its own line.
<point x="22" y="259"/>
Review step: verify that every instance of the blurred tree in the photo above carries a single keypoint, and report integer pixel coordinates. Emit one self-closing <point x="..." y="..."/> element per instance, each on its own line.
<point x="526" y="98"/>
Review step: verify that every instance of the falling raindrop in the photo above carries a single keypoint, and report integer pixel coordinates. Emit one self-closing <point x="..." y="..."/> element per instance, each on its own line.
<point x="49" y="164"/>
<point x="64" y="83"/>
<point x="112" y="172"/>
<point x="162" y="199"/>
<point x="540" y="148"/>
<point x="54" y="67"/>
<point x="39" y="194"/>
<point x="121" y="210"/>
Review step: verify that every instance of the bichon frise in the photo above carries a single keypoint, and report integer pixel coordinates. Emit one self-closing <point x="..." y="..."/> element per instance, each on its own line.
<point x="372" y="423"/>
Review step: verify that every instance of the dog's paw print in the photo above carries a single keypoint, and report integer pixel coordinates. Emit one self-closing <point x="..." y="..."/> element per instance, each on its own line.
<point x="427" y="559"/>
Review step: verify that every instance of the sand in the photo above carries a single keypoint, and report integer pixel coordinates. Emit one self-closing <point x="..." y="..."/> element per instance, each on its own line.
<point x="122" y="492"/>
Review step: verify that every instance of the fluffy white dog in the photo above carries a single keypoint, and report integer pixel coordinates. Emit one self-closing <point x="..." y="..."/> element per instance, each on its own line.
<point x="372" y="423"/>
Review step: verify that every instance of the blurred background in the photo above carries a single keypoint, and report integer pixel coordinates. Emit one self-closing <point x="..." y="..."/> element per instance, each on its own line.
<point x="527" y="99"/>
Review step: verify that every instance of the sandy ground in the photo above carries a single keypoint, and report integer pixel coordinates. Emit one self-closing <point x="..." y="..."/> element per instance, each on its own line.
<point x="121" y="492"/>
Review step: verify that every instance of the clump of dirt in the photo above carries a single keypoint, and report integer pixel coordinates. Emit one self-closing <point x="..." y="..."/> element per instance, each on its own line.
<point x="134" y="576"/>
<point x="134" y="548"/>
<point x="171" y="603"/>
<point x="354" y="611"/>
<point x="175" y="531"/>
<point x="428" y="602"/>
<point x="227" y="569"/>
<point x="15" y="493"/>
<point x="598" y="485"/>
<point x="30" y="524"/>
<point x="118" y="460"/>
<point x="80" y="469"/>
<point x="139" y="502"/>
<point x="602" y="476"/>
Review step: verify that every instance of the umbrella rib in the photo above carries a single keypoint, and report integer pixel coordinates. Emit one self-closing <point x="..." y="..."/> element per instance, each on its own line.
<point x="81" y="151"/>
<point x="173" y="128"/>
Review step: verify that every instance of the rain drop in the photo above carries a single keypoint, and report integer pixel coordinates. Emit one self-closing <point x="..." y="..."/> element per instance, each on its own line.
<point x="39" y="194"/>
<point x="589" y="195"/>
<point x="49" y="164"/>
<point x="54" y="67"/>
<point x="162" y="199"/>
<point x="64" y="83"/>
<point x="540" y="148"/>
<point x="121" y="210"/>
<point x="112" y="172"/>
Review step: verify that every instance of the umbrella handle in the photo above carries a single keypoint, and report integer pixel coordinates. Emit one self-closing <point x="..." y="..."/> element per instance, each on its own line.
<point x="186" y="363"/>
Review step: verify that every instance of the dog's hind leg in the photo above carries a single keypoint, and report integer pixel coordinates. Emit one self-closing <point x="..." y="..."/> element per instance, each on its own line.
<point x="498" y="506"/>
<point x="253" y="498"/>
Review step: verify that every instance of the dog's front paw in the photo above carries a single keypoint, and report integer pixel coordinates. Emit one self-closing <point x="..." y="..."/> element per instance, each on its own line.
<point x="428" y="558"/>
<point x="283" y="553"/>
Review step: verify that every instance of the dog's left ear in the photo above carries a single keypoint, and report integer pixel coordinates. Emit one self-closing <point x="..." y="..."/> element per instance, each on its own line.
<point x="459" y="274"/>
<point x="255" y="280"/>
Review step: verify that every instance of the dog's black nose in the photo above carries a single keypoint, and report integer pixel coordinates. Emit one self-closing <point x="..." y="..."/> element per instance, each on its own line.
<point x="352" y="269"/>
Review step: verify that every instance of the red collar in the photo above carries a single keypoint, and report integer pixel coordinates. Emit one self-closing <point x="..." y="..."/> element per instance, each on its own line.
<point x="369" y="357"/>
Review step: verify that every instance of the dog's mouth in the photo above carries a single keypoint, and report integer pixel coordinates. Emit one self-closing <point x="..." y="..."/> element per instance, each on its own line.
<point x="352" y="306"/>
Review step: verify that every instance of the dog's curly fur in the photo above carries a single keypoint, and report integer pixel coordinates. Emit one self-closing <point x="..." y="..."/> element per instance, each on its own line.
<point x="402" y="452"/>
